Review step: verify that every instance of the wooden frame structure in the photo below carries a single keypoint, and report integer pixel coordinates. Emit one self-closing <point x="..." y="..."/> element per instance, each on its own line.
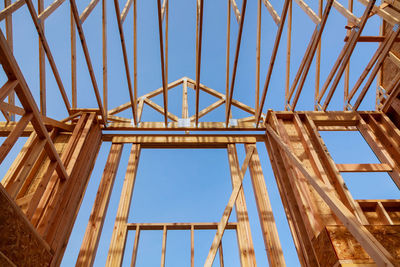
<point x="41" y="193"/>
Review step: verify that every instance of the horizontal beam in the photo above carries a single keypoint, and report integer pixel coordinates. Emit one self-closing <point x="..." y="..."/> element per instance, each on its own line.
<point x="184" y="140"/>
<point x="178" y="226"/>
<point x="371" y="167"/>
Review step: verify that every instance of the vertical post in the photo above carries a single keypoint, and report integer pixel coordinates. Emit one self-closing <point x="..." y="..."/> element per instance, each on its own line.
<point x="42" y="65"/>
<point x="221" y="255"/>
<point x="105" y="78"/>
<point x="135" y="246"/>
<point x="192" y="246"/>
<point x="164" y="244"/>
<point x="91" y="239"/>
<point x="258" y="54"/>
<point x="135" y="57"/>
<point x="73" y="61"/>
<point x="228" y="37"/>
<point x="9" y="34"/>
<point x="318" y="62"/>
<point x="347" y="73"/>
<point x="245" y="242"/>
<point x="118" y="240"/>
<point x="267" y="221"/>
<point x="288" y="51"/>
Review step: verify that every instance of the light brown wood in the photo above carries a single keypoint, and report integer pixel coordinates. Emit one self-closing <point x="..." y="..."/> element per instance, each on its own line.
<point x="91" y="239"/>
<point x="164" y="246"/>
<point x="135" y="246"/>
<point x="118" y="239"/>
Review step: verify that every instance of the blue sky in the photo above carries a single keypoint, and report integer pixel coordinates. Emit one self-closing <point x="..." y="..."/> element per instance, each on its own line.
<point x="193" y="185"/>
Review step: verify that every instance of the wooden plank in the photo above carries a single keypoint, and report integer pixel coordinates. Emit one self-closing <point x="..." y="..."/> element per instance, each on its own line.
<point x="164" y="246"/>
<point x="14" y="135"/>
<point x="265" y="214"/>
<point x="7" y="89"/>
<point x="208" y="109"/>
<point x="13" y="72"/>
<point x="105" y="63"/>
<point x="192" y="244"/>
<point x="11" y="9"/>
<point x="88" y="60"/>
<point x="86" y="12"/>
<point x="237" y="186"/>
<point x="164" y="81"/>
<point x="44" y="14"/>
<point x="314" y="17"/>
<point x="382" y="13"/>
<point x="126" y="63"/>
<point x="179" y="226"/>
<point x="91" y="238"/>
<point x="272" y="12"/>
<point x="346" y="13"/>
<point x="135" y="246"/>
<point x="380" y="255"/>
<point x="235" y="63"/>
<point x="236" y="10"/>
<point x="118" y="240"/>
<point x="126" y="10"/>
<point x="199" y="34"/>
<point x="272" y="60"/>
<point x="42" y="67"/>
<point x="159" y="109"/>
<point x="368" y="167"/>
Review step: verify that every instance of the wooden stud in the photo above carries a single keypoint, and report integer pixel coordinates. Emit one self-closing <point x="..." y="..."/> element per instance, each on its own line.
<point x="135" y="246"/>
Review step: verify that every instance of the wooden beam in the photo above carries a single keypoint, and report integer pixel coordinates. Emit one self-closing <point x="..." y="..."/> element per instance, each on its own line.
<point x="366" y="167"/>
<point x="91" y="239"/>
<point x="126" y="10"/>
<point x="227" y="212"/>
<point x="199" y="34"/>
<point x="208" y="109"/>
<point x="86" y="12"/>
<point x="236" y="10"/>
<point x="346" y="13"/>
<point x="13" y="72"/>
<point x="126" y="63"/>
<point x="163" y="78"/>
<point x="46" y="48"/>
<point x="11" y="9"/>
<point x="272" y="60"/>
<point x="345" y="55"/>
<point x="380" y="255"/>
<point x="272" y="12"/>
<point x="158" y="108"/>
<point x="235" y="63"/>
<point x="118" y="240"/>
<point x="135" y="246"/>
<point x="75" y="13"/>
<point x="265" y="214"/>
<point x="314" y="17"/>
<point x="44" y="14"/>
<point x="164" y="246"/>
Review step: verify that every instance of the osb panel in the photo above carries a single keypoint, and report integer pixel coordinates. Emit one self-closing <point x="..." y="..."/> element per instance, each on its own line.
<point x="17" y="240"/>
<point x="347" y="248"/>
<point x="389" y="69"/>
<point x="324" y="249"/>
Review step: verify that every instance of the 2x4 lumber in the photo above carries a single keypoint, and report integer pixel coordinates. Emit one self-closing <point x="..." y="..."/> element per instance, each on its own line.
<point x="265" y="214"/>
<point x="159" y="109"/>
<point x="43" y="15"/>
<point x="163" y="78"/>
<point x="228" y="47"/>
<point x="382" y="213"/>
<point x="394" y="59"/>
<point x="371" y="39"/>
<point x="367" y="167"/>
<point x="104" y="54"/>
<point x="11" y="9"/>
<point x="135" y="246"/>
<point x="14" y="135"/>
<point x="236" y="10"/>
<point x="13" y="72"/>
<point x="192" y="243"/>
<point x="126" y="63"/>
<point x="292" y="207"/>
<point x="135" y="86"/>
<point x="208" y="109"/>
<point x="118" y="239"/>
<point x="178" y="226"/>
<point x="309" y="56"/>
<point x="395" y="32"/>
<point x="91" y="238"/>
<point x="199" y="35"/>
<point x="335" y="178"/>
<point x="126" y="10"/>
<point x="46" y="48"/>
<point x="235" y="63"/>
<point x="85" y="49"/>
<point x="221" y="255"/>
<point x="7" y="89"/>
<point x="382" y="13"/>
<point x="272" y="60"/>
<point x="258" y="55"/>
<point x="74" y="99"/>
<point x="42" y="66"/>
<point x="346" y="13"/>
<point x="272" y="12"/>
<point x="346" y="52"/>
<point x="185" y="107"/>
<point x="86" y="12"/>
<point x="164" y="246"/>
<point x="173" y="126"/>
<point x="228" y="209"/>
<point x="184" y="139"/>
<point x="314" y="17"/>
<point x="380" y="255"/>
